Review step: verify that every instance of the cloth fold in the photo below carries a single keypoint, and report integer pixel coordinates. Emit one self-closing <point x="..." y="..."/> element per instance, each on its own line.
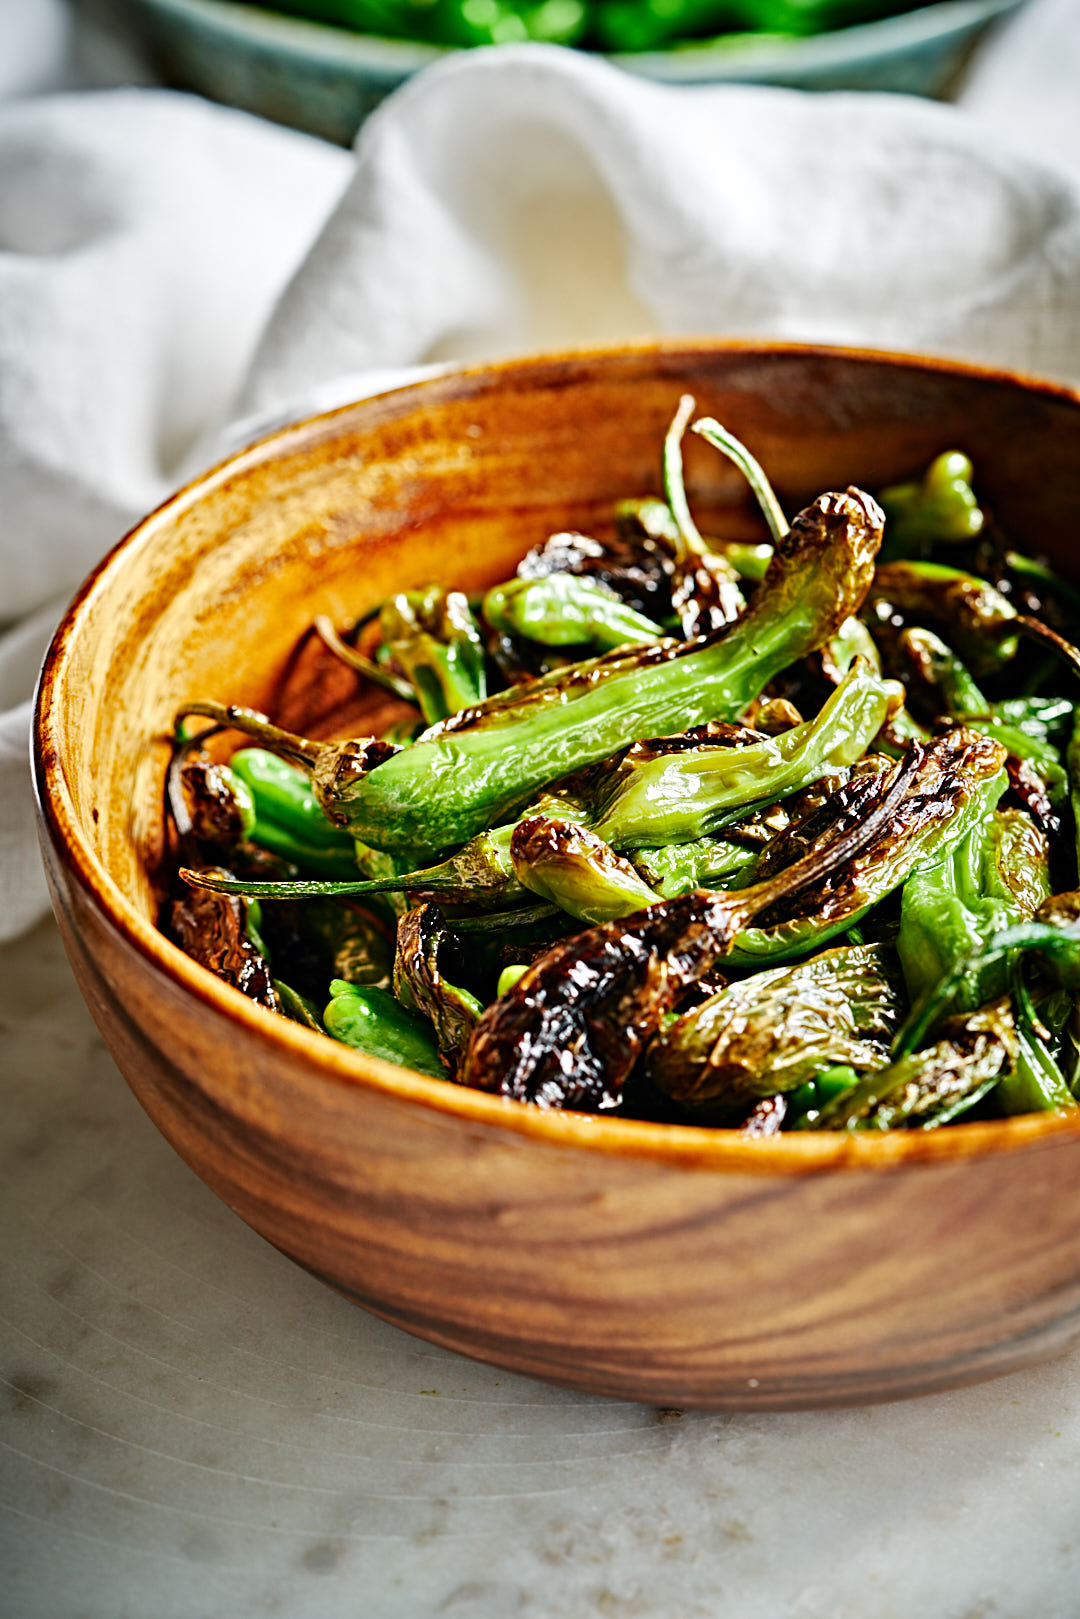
<point x="515" y="201"/>
<point x="176" y="277"/>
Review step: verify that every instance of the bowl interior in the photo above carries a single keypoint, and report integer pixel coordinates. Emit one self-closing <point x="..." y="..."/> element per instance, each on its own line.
<point x="451" y="481"/>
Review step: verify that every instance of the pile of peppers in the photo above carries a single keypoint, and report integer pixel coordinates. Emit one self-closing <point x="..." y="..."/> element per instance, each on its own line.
<point x="772" y="836"/>
<point x="604" y="25"/>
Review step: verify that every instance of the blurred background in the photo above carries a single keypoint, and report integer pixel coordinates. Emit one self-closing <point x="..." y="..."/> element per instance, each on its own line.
<point x="322" y="65"/>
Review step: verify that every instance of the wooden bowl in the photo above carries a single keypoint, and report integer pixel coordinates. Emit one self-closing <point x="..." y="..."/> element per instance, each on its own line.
<point x="681" y="1266"/>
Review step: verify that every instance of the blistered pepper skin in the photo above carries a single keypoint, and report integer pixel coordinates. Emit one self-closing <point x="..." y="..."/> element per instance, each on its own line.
<point x="460" y="778"/>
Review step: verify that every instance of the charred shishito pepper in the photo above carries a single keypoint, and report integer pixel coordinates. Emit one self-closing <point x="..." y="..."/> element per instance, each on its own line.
<point x="569" y="1032"/>
<point x="774" y="1032"/>
<point x="929" y="1088"/>
<point x="948" y="785"/>
<point x="634" y="566"/>
<point x="432" y="636"/>
<point x="750" y="833"/>
<point x="219" y="932"/>
<point x="576" y="870"/>
<point x="421" y="985"/>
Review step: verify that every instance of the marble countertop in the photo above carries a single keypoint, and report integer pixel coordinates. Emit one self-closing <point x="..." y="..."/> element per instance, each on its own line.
<point x="193" y="1428"/>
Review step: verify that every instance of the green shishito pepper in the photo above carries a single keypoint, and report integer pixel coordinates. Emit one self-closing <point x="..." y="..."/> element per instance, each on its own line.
<point x="281" y="793"/>
<point x="996" y="876"/>
<point x="287" y="819"/>
<point x="994" y="879"/>
<point x="460" y="777"/>
<point x="372" y="1021"/>
<point x="677" y="868"/>
<point x="940" y="508"/>
<point x="973" y="617"/>
<point x="1021" y="724"/>
<point x="681" y="796"/>
<point x="1035" y="1082"/>
<point x="643" y="25"/>
<point x="433" y="636"/>
<point x="453" y="783"/>
<point x="563" y="610"/>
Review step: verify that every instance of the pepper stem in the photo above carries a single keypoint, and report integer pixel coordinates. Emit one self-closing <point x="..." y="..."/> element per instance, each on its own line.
<point x="233" y="718"/>
<point x="674" y="486"/>
<point x="719" y="437"/>
<point x="428" y="882"/>
<point x="1048" y="637"/>
<point x="174" y="781"/>
<point x="286" y="890"/>
<point x="330" y="638"/>
<point x="317" y="889"/>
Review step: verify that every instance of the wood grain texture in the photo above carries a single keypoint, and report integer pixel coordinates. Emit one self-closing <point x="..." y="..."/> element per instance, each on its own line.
<point x="670" y="1264"/>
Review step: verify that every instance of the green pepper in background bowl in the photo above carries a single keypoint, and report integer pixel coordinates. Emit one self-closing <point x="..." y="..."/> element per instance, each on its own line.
<point x="643" y="25"/>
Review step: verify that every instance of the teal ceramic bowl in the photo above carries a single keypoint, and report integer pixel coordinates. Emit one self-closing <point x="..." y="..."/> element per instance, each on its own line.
<point x="326" y="80"/>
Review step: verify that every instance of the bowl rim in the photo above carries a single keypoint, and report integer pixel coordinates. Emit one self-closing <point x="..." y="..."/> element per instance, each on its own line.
<point x="322" y="1059"/>
<point x="725" y="58"/>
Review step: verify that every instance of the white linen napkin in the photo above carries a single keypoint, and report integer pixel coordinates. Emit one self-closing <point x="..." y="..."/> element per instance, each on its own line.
<point x="159" y="279"/>
<point x="1025" y="82"/>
